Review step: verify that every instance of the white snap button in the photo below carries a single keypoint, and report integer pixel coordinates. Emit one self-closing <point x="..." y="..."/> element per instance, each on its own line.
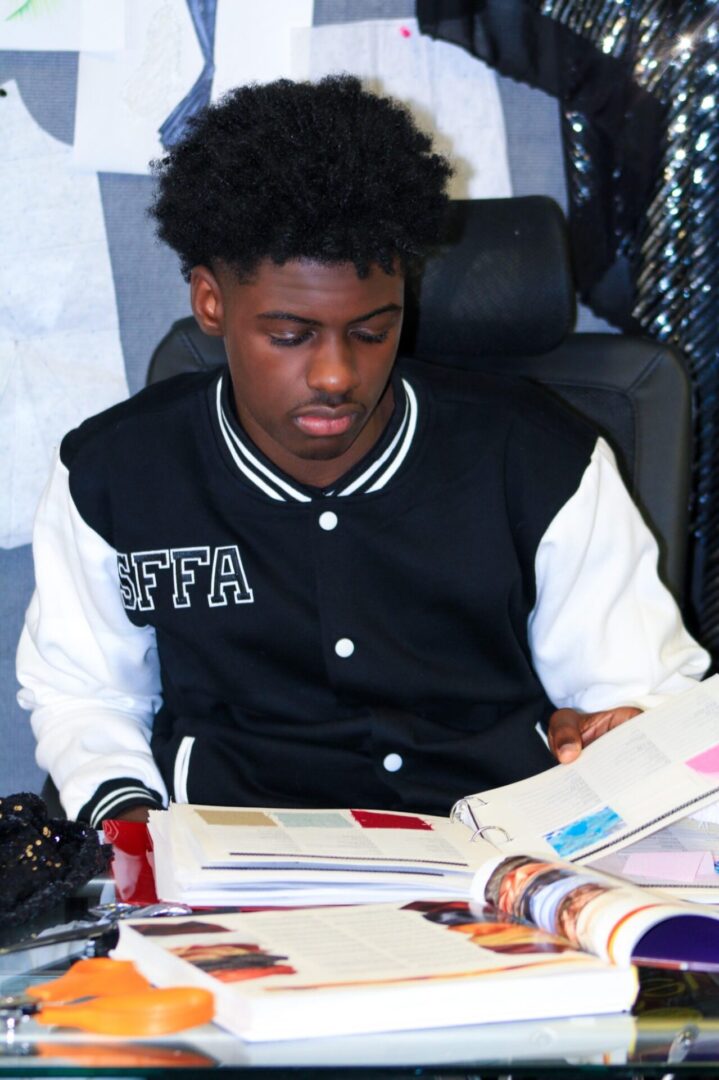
<point x="328" y="520"/>
<point x="344" y="647"/>
<point x="393" y="762"/>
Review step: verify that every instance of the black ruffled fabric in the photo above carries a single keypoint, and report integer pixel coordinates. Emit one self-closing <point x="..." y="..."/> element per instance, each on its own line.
<point x="42" y="859"/>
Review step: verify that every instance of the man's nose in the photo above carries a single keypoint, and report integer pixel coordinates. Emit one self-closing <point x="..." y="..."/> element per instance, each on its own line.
<point x="332" y="368"/>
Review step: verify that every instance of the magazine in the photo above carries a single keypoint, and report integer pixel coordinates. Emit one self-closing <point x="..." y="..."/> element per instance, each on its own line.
<point x="301" y="973"/>
<point x="546" y="1042"/>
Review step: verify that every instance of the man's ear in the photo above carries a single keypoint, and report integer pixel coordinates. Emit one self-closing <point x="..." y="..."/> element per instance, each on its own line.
<point x="206" y="300"/>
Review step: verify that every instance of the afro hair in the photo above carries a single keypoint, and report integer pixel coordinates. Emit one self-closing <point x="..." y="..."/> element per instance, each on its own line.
<point x="324" y="171"/>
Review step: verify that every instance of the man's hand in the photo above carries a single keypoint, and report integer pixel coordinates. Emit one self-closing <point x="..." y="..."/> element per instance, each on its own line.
<point x="570" y="731"/>
<point x="138" y="813"/>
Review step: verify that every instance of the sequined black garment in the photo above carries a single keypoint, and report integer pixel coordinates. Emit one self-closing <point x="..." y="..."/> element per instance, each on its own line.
<point x="42" y="859"/>
<point x="638" y="84"/>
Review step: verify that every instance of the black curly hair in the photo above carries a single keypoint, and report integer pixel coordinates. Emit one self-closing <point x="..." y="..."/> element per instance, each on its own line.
<point x="324" y="171"/>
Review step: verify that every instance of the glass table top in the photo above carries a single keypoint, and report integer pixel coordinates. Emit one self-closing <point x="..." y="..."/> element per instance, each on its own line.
<point x="672" y="1031"/>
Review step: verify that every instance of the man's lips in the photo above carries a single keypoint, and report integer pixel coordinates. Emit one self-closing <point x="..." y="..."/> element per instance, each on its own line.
<point x="321" y="421"/>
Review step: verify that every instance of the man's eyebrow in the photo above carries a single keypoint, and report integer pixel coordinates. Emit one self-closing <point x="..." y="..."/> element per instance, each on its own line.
<point x="289" y="316"/>
<point x="377" y="311"/>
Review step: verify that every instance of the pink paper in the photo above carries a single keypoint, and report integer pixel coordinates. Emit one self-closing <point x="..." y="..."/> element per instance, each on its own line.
<point x="707" y="762"/>
<point x="680" y="866"/>
<point x="706" y="866"/>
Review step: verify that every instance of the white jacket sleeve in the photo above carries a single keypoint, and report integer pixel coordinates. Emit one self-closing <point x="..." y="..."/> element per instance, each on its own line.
<point x="605" y="631"/>
<point x="90" y="677"/>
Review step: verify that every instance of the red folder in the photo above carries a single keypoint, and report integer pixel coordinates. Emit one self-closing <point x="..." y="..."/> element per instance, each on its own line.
<point x="131" y="861"/>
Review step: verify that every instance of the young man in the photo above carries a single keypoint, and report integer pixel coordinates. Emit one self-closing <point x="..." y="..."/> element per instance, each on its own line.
<point x="320" y="577"/>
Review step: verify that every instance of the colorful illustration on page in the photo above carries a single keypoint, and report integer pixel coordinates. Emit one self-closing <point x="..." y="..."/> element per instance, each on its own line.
<point x="231" y="962"/>
<point x="584" y="831"/>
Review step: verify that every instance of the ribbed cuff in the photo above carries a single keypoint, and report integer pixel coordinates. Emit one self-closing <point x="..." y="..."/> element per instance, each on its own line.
<point x="116" y="797"/>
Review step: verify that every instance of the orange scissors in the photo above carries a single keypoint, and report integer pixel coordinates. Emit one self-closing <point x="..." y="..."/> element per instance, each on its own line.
<point x="109" y="997"/>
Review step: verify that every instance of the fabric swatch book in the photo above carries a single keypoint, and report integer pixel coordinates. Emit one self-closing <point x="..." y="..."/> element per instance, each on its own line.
<point x="644" y="775"/>
<point x="641" y="803"/>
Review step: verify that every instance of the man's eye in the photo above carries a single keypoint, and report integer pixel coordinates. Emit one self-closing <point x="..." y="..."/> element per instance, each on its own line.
<point x="370" y="338"/>
<point x="288" y="340"/>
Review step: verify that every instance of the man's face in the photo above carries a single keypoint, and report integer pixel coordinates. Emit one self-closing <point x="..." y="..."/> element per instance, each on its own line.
<point x="310" y="349"/>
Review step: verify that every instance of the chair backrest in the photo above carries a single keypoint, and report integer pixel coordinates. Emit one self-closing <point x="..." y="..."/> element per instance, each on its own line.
<point x="499" y="297"/>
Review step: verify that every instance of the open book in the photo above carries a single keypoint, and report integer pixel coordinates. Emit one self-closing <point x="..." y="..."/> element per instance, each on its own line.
<point x="637" y="803"/>
<point x="652" y="771"/>
<point x="302" y="972"/>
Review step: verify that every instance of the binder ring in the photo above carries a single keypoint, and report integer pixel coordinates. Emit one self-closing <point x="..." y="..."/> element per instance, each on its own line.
<point x="489" y="828"/>
<point x="464" y="804"/>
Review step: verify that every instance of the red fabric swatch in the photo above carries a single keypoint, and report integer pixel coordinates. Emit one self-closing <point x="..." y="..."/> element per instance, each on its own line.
<point x="378" y="819"/>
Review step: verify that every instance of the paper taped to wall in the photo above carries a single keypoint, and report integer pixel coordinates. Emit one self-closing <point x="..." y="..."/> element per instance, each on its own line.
<point x="253" y="41"/>
<point x="62" y="25"/>
<point x="60" y="354"/>
<point x="453" y="96"/>
<point x="123" y="98"/>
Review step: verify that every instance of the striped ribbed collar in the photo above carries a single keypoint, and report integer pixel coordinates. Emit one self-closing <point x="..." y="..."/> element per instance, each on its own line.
<point x="371" y="474"/>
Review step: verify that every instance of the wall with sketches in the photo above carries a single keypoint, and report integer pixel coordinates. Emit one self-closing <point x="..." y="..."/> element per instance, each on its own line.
<point x="85" y="291"/>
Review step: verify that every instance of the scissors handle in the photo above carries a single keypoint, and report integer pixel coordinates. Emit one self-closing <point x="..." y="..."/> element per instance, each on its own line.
<point x="96" y="977"/>
<point x="149" y="1012"/>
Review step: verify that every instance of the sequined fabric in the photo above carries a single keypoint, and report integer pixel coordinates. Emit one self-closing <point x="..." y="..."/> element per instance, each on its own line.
<point x="42" y="859"/>
<point x="638" y="83"/>
<point x="673" y="51"/>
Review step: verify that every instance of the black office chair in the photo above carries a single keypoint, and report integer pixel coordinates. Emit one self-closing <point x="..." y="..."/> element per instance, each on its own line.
<point x="500" y="298"/>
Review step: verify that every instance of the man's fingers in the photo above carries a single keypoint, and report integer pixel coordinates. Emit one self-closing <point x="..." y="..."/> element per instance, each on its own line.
<point x="592" y="725"/>
<point x="570" y="730"/>
<point x="565" y="735"/>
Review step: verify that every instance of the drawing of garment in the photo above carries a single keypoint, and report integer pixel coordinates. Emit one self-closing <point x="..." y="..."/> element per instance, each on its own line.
<point x="123" y="98"/>
<point x="60" y="354"/>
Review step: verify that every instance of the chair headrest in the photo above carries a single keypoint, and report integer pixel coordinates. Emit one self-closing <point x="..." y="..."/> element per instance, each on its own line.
<point x="501" y="285"/>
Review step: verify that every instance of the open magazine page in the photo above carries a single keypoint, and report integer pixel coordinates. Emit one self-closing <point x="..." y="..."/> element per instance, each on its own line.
<point x="643" y="775"/>
<point x="602" y="915"/>
<point x="284" y="974"/>
<point x="223" y="855"/>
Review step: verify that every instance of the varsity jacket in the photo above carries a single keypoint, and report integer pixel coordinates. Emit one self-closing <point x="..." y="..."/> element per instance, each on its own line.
<point x="206" y="627"/>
